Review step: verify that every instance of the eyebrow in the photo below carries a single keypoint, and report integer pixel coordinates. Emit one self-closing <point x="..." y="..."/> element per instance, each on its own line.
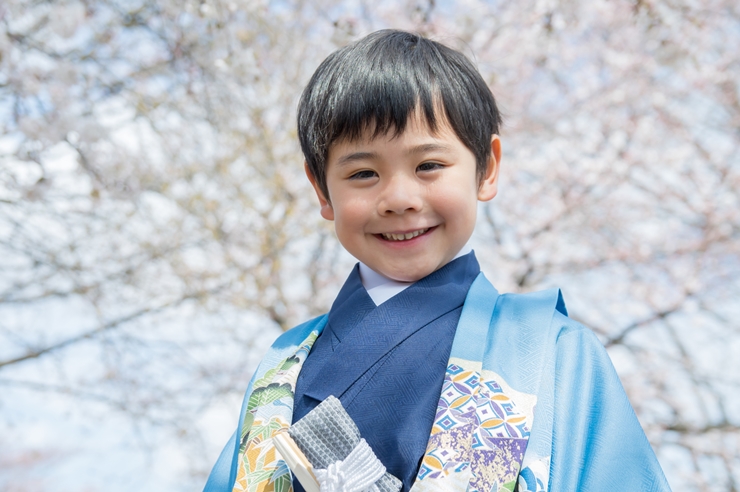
<point x="356" y="156"/>
<point x="418" y="149"/>
<point x="428" y="147"/>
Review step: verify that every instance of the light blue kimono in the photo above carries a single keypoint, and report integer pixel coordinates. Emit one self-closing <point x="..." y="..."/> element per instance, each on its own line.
<point x="530" y="402"/>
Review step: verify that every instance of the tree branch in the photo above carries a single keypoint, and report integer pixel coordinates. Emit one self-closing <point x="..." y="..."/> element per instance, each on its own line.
<point x="619" y="338"/>
<point x="33" y="354"/>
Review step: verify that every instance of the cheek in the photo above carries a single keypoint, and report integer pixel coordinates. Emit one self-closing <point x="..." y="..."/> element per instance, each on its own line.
<point x="352" y="214"/>
<point x="460" y="218"/>
<point x="350" y="226"/>
<point x="456" y="203"/>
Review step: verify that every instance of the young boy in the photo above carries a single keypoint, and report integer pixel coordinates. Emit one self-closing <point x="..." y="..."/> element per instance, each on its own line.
<point x="454" y="386"/>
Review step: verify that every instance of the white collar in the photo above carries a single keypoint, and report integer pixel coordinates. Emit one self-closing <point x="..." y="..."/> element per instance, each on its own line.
<point x="381" y="288"/>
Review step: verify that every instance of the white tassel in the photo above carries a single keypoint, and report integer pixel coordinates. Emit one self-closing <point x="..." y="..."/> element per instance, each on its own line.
<point x="358" y="472"/>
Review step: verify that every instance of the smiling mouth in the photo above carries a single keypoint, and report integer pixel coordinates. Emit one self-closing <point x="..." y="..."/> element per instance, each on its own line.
<point x="404" y="236"/>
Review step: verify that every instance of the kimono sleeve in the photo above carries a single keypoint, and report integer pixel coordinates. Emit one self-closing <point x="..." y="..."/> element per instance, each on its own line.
<point x="597" y="441"/>
<point x="220" y="478"/>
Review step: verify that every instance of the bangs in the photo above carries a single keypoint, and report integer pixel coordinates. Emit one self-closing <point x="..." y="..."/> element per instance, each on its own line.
<point x="380" y="97"/>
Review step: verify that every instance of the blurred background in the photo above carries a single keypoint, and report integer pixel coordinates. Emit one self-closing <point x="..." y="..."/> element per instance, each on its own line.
<point x="157" y="231"/>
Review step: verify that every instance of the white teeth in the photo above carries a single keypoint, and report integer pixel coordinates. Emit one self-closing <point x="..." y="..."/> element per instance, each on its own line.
<point x="403" y="237"/>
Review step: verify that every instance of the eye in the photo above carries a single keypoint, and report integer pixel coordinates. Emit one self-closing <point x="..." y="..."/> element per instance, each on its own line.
<point x="429" y="166"/>
<point x="367" y="174"/>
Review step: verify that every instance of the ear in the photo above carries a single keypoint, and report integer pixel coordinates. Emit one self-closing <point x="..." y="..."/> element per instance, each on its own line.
<point x="489" y="185"/>
<point x="327" y="211"/>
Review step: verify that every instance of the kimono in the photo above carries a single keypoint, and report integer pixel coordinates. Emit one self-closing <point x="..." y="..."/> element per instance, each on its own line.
<point x="455" y="387"/>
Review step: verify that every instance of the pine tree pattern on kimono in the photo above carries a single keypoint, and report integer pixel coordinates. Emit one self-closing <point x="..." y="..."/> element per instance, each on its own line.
<point x="269" y="410"/>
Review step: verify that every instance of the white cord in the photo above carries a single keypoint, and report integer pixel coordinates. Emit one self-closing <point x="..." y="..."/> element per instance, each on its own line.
<point x="358" y="472"/>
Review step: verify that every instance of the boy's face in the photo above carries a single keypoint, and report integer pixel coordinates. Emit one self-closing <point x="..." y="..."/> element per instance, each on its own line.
<point x="405" y="206"/>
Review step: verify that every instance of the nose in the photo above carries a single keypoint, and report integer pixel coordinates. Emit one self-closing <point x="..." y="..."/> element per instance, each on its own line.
<point x="399" y="196"/>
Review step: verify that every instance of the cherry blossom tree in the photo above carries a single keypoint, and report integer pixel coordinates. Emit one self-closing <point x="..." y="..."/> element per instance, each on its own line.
<point x="157" y="231"/>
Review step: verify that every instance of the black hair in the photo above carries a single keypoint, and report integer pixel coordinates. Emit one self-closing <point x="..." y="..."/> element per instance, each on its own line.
<point x="382" y="79"/>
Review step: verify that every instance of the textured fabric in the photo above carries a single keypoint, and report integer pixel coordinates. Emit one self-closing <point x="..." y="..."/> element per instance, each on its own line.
<point x="358" y="472"/>
<point x="596" y="440"/>
<point x="486" y="434"/>
<point x="380" y="363"/>
<point x="327" y="435"/>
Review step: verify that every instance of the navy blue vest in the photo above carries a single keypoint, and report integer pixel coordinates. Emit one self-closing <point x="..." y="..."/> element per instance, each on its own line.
<point x="386" y="364"/>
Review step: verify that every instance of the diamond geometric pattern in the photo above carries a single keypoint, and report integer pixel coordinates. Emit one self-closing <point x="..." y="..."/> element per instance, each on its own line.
<point x="477" y="429"/>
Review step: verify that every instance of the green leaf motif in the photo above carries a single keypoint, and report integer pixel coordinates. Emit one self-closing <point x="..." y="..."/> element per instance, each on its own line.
<point x="283" y="483"/>
<point x="289" y="362"/>
<point x="255" y="479"/>
<point x="248" y="419"/>
<point x="267" y="378"/>
<point x="270" y="393"/>
<point x="264" y="431"/>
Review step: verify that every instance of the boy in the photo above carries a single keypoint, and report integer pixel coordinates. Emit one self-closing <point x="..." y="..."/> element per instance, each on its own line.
<point x="454" y="386"/>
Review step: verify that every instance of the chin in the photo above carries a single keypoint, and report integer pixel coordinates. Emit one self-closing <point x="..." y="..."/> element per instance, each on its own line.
<point x="407" y="278"/>
<point x="408" y="275"/>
